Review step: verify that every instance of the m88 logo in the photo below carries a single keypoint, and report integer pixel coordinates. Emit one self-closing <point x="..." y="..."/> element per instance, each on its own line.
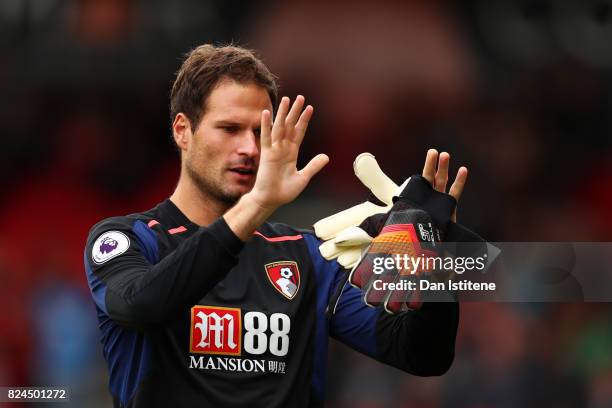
<point x="224" y="331"/>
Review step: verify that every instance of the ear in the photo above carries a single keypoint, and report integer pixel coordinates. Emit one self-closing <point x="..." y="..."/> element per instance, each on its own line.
<point x="181" y="130"/>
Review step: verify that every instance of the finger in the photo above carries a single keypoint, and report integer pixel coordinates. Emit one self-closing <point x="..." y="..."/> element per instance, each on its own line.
<point x="371" y="175"/>
<point x="429" y="170"/>
<point x="314" y="166"/>
<point x="329" y="250"/>
<point x="457" y="188"/>
<point x="302" y="124"/>
<point x="442" y="173"/>
<point x="294" y="113"/>
<point x="278" y="130"/>
<point x="349" y="257"/>
<point x="329" y="227"/>
<point x="352" y="236"/>
<point x="266" y="128"/>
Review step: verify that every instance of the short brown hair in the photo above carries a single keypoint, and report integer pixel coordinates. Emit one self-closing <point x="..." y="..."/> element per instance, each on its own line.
<point x="202" y="70"/>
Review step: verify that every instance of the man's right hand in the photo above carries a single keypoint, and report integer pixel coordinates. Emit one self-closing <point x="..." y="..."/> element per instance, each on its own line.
<point x="278" y="180"/>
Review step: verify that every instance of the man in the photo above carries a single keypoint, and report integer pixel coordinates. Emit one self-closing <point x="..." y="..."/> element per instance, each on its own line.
<point x="203" y="303"/>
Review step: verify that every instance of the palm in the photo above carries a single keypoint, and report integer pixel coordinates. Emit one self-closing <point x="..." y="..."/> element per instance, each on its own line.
<point x="278" y="179"/>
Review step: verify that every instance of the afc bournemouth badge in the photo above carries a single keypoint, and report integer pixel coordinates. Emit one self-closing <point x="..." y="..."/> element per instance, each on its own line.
<point x="285" y="277"/>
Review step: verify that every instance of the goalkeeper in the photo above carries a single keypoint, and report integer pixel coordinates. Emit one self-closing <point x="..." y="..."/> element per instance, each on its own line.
<point x="201" y="302"/>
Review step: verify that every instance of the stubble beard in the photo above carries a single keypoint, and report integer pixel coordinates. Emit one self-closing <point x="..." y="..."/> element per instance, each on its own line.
<point x="209" y="188"/>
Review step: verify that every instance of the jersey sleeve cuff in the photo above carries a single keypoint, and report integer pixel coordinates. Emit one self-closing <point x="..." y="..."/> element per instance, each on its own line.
<point x="226" y="237"/>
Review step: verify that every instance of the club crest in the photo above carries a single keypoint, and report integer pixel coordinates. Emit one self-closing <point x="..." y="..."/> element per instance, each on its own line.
<point x="285" y="277"/>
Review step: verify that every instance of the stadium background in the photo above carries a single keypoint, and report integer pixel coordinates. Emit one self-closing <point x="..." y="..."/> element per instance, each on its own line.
<point x="518" y="91"/>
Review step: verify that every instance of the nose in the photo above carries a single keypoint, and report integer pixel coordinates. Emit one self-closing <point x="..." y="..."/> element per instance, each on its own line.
<point x="249" y="144"/>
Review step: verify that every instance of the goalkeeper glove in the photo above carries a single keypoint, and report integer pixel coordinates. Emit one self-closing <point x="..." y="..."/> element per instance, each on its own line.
<point x="343" y="240"/>
<point x="412" y="229"/>
<point x="349" y="233"/>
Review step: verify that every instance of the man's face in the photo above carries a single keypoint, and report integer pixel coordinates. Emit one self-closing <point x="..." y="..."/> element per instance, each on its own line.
<point x="223" y="155"/>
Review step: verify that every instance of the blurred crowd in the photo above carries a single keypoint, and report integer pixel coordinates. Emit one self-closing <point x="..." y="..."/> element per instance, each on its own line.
<point x="518" y="91"/>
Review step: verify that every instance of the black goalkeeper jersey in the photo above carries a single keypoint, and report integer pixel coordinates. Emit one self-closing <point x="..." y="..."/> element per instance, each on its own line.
<point x="193" y="317"/>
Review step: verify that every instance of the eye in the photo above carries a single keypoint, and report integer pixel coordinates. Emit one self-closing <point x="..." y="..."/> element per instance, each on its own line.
<point x="230" y="129"/>
<point x="257" y="132"/>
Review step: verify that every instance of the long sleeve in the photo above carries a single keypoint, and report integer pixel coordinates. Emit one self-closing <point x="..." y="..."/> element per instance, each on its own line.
<point x="135" y="289"/>
<point x="420" y="342"/>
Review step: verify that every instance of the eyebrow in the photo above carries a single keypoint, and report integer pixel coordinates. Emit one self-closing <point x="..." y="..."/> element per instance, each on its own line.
<point x="232" y="123"/>
<point x="227" y="123"/>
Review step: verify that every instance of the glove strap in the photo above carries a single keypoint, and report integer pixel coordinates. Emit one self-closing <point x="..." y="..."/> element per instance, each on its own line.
<point x="420" y="193"/>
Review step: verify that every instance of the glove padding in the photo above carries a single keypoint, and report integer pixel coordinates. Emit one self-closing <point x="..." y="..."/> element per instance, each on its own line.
<point x="348" y="234"/>
<point x="414" y="227"/>
<point x="343" y="240"/>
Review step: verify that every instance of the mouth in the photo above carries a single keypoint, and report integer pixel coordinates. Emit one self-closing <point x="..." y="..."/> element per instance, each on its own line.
<point x="243" y="171"/>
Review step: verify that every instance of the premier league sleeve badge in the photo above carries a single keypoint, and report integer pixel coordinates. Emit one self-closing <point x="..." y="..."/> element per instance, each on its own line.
<point x="108" y="246"/>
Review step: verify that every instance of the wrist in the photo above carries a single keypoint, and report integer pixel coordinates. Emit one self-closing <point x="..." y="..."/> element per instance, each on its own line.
<point x="247" y="215"/>
<point x="257" y="204"/>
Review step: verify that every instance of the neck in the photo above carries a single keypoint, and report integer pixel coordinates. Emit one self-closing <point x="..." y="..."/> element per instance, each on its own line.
<point x="199" y="207"/>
